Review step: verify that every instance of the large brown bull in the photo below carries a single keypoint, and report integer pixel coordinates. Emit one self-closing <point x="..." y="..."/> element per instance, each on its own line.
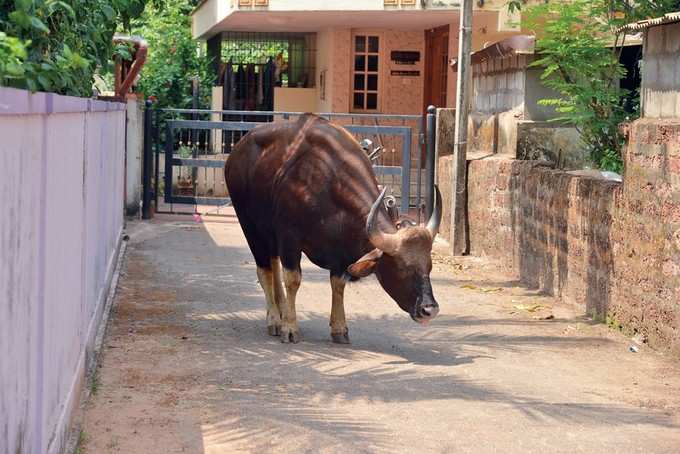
<point x="309" y="187"/>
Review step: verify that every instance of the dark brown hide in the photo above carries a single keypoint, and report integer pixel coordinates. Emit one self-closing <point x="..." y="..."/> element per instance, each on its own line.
<point x="308" y="187"/>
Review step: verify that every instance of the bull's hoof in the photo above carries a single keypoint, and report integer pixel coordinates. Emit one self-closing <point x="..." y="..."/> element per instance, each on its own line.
<point x="274" y="330"/>
<point x="340" y="338"/>
<point x="290" y="336"/>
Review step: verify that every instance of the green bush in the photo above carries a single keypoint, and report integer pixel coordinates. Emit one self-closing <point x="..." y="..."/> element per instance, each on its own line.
<point x="174" y="57"/>
<point x="59" y="45"/>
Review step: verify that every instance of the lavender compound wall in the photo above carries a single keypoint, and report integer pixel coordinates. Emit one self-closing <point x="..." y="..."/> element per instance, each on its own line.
<point x="61" y="199"/>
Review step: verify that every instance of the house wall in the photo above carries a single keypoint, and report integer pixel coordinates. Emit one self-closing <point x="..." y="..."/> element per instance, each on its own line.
<point x="210" y="12"/>
<point x="403" y="94"/>
<point x="333" y="58"/>
<point x="506" y="118"/>
<point x="661" y="72"/>
<point x="62" y="171"/>
<point x="498" y="94"/>
<point x="485" y="31"/>
<point x="342" y="56"/>
<point x="325" y="65"/>
<point x="295" y="99"/>
<point x="399" y="94"/>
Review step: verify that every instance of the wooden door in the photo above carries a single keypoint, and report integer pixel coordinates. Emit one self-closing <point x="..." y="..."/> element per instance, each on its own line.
<point x="436" y="66"/>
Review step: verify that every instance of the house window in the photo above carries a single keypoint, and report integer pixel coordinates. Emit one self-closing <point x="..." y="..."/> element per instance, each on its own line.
<point x="366" y="70"/>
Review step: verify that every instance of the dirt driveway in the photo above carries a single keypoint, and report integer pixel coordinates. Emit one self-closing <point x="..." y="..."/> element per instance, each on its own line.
<point x="188" y="367"/>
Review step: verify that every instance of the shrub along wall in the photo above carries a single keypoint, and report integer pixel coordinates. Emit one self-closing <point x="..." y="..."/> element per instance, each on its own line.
<point x="613" y="248"/>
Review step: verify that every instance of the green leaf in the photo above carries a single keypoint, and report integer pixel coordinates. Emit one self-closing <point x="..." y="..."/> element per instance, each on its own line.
<point x="22" y="5"/>
<point x="39" y="25"/>
<point x="44" y="81"/>
<point x="54" y="5"/>
<point x="20" y="18"/>
<point x="30" y="83"/>
<point x="108" y="12"/>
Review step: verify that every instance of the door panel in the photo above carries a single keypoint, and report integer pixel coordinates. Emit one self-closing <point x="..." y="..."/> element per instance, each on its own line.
<point x="436" y="66"/>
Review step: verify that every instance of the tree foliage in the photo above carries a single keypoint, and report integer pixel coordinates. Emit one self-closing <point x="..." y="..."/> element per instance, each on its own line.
<point x="174" y="57"/>
<point x="58" y="45"/>
<point x="578" y="45"/>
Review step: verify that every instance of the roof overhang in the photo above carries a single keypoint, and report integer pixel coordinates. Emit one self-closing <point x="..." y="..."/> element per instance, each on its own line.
<point x="669" y="18"/>
<point x="514" y="45"/>
<point x="216" y="16"/>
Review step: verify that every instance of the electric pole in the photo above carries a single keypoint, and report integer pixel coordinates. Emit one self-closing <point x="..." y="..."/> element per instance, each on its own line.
<point x="459" y="200"/>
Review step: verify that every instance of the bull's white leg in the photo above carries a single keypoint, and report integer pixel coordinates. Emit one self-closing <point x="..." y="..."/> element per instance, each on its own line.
<point x="267" y="278"/>
<point x="289" y="326"/>
<point x="279" y="292"/>
<point x="339" y="331"/>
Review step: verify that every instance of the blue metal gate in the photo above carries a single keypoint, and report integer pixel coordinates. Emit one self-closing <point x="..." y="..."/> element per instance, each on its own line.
<point x="191" y="147"/>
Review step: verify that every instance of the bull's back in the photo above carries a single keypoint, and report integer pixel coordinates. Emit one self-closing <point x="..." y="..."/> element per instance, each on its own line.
<point x="306" y="183"/>
<point x="256" y="153"/>
<point x="305" y="158"/>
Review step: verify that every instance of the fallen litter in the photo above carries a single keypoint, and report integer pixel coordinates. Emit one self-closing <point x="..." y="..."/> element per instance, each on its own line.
<point x="547" y="317"/>
<point x="469" y="286"/>
<point x="633" y="349"/>
<point x="528" y="307"/>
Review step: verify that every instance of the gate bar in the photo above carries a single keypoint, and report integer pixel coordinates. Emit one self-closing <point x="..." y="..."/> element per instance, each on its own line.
<point x="429" y="163"/>
<point x="282" y="113"/>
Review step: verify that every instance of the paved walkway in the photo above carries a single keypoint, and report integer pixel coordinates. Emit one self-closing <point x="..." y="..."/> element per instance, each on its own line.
<point x="188" y="366"/>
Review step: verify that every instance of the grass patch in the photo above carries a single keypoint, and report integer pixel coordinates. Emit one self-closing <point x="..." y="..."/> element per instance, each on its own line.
<point x="80" y="446"/>
<point x="95" y="382"/>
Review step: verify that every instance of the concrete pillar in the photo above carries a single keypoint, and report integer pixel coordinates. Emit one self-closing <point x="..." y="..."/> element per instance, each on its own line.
<point x="134" y="146"/>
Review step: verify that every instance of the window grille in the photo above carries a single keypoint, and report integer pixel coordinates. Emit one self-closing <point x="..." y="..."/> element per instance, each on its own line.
<point x="253" y="63"/>
<point x="295" y="52"/>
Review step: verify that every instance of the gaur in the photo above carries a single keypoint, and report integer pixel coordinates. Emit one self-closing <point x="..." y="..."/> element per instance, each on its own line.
<point x="307" y="186"/>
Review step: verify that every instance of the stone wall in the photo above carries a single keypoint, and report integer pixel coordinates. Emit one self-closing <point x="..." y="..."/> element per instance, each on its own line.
<point x="552" y="142"/>
<point x="612" y="248"/>
<point x="646" y="234"/>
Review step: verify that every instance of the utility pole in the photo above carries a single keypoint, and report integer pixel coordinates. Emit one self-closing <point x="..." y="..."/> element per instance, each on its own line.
<point x="459" y="242"/>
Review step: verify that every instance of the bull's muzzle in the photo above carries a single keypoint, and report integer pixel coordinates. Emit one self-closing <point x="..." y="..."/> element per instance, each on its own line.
<point x="425" y="310"/>
<point x="426" y="307"/>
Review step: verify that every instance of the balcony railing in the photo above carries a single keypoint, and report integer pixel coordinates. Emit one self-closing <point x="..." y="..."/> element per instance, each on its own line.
<point x="427" y="4"/>
<point x="253" y="2"/>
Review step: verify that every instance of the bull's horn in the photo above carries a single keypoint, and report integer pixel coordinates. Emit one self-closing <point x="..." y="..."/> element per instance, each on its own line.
<point x="386" y="242"/>
<point x="436" y="218"/>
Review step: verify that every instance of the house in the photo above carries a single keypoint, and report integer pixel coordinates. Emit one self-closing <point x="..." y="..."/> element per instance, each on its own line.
<point x="506" y="117"/>
<point x="363" y="56"/>
<point x="660" y="93"/>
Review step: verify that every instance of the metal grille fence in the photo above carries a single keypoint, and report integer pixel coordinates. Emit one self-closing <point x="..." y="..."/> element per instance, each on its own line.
<point x="191" y="147"/>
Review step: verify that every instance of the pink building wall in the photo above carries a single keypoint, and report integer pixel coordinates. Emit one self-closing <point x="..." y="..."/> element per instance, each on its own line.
<point x="61" y="197"/>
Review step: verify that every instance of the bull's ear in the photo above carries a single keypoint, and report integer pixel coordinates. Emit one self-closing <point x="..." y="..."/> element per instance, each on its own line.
<point x="365" y="265"/>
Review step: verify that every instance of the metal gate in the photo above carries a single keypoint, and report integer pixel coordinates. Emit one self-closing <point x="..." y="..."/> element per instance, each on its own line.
<point x="188" y="148"/>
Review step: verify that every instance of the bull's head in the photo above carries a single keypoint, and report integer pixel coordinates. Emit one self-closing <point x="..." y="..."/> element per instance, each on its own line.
<point x="402" y="261"/>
